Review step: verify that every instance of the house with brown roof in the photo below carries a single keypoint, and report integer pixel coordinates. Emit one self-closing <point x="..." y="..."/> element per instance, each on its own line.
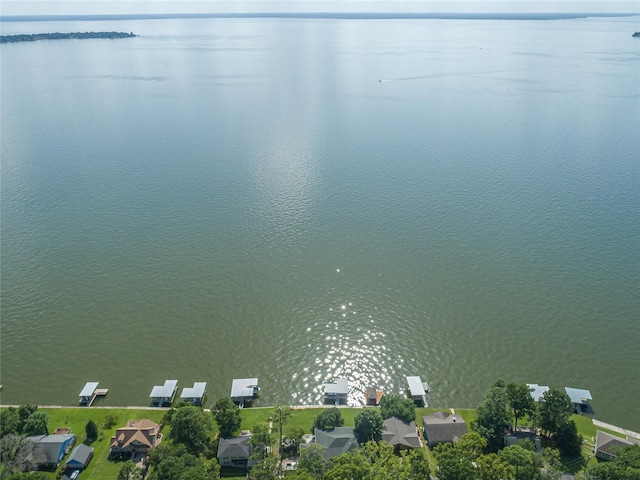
<point x="139" y="436"/>
<point x="443" y="427"/>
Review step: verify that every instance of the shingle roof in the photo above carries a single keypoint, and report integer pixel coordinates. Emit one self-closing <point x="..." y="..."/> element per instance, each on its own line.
<point x="142" y="431"/>
<point x="235" y="447"/>
<point x="399" y="432"/>
<point x="610" y="444"/>
<point x="443" y="427"/>
<point x="80" y="454"/>
<point x="337" y="441"/>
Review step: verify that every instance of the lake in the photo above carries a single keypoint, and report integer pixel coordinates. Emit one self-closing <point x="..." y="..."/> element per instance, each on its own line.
<point x="302" y="199"/>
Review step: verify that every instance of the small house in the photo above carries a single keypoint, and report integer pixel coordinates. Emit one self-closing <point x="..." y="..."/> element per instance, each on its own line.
<point x="235" y="452"/>
<point x="49" y="450"/>
<point x="443" y="427"/>
<point x="244" y="390"/>
<point x="80" y="457"/>
<point x="607" y="445"/>
<point x="337" y="392"/>
<point x="194" y="394"/>
<point x="162" y="395"/>
<point x="400" y="434"/>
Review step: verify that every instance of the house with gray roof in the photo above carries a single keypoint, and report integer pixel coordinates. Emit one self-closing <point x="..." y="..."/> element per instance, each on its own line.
<point x="442" y="427"/>
<point x="607" y="445"/>
<point x="80" y="457"/>
<point x="235" y="452"/>
<point x="335" y="442"/>
<point x="49" y="450"/>
<point x="400" y="434"/>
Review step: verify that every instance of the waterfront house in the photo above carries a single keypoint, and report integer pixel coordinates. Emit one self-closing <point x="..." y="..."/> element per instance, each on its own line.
<point x="536" y="391"/>
<point x="607" y="445"/>
<point x="194" y="394"/>
<point x="442" y="427"/>
<point x="137" y="437"/>
<point x="580" y="399"/>
<point x="80" y="457"/>
<point x="337" y="392"/>
<point x="244" y="390"/>
<point x="235" y="452"/>
<point x="400" y="434"/>
<point x="162" y="395"/>
<point x="49" y="450"/>
<point x="335" y="442"/>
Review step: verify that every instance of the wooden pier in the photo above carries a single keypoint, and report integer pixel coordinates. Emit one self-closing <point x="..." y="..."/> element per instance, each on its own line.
<point x="90" y="392"/>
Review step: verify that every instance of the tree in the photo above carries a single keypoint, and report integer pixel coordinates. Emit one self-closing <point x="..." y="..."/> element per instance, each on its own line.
<point x="110" y="421"/>
<point x="260" y="439"/>
<point x="471" y="445"/>
<point x="567" y="439"/>
<point x="269" y="468"/>
<point x="491" y="466"/>
<point x="15" y="452"/>
<point x="520" y="400"/>
<point x="368" y="425"/>
<point x="227" y="416"/>
<point x="525" y="462"/>
<point x="351" y="465"/>
<point x="396" y="406"/>
<point x="552" y="464"/>
<point x="328" y="419"/>
<point x="172" y="467"/>
<point x="554" y="409"/>
<point x="451" y="463"/>
<point x="191" y="427"/>
<point x="626" y="466"/>
<point x="24" y="412"/>
<point x="312" y="460"/>
<point x="493" y="416"/>
<point x="9" y="421"/>
<point x="418" y="465"/>
<point x="91" y="429"/>
<point x="36" y="424"/>
<point x="279" y="417"/>
<point x="130" y="471"/>
<point x="291" y="441"/>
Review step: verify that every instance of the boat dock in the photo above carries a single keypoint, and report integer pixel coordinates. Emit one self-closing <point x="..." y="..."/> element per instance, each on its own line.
<point x="90" y="392"/>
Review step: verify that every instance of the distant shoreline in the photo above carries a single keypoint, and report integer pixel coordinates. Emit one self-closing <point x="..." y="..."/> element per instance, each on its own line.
<point x="319" y="15"/>
<point x="62" y="36"/>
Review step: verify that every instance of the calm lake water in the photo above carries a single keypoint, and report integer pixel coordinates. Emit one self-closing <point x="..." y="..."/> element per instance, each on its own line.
<point x="306" y="199"/>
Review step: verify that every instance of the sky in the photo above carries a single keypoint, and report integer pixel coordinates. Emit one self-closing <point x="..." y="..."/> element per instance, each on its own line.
<point x="95" y="7"/>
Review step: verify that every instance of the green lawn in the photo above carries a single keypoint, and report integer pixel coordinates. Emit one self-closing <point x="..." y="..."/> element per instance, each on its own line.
<point x="101" y="468"/>
<point x="76" y="418"/>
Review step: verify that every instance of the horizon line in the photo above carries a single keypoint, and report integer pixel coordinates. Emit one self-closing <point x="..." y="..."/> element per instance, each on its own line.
<point x="327" y="15"/>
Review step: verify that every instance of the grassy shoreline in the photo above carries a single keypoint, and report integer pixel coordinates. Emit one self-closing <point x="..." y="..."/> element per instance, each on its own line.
<point x="100" y="467"/>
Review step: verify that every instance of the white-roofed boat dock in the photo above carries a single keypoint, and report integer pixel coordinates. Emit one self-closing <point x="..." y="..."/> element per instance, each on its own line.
<point x="164" y="394"/>
<point x="194" y="394"/>
<point x="244" y="390"/>
<point x="90" y="392"/>
<point x="418" y="390"/>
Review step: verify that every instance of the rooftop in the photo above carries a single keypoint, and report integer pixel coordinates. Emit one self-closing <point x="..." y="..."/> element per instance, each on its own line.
<point x="88" y="389"/>
<point x="164" y="391"/>
<point x="197" y="391"/>
<point x="415" y="386"/>
<point x="536" y="391"/>
<point x="243" y="387"/>
<point x="341" y="387"/>
<point x="578" y="395"/>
